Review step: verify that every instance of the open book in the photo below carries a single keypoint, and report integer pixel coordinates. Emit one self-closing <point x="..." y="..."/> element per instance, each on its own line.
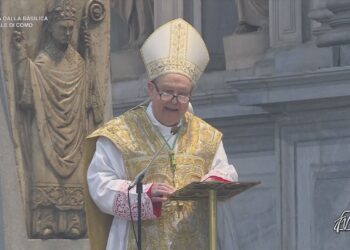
<point x="200" y="190"/>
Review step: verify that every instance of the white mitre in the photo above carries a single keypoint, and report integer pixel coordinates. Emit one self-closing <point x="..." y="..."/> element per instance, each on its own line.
<point x="175" y="47"/>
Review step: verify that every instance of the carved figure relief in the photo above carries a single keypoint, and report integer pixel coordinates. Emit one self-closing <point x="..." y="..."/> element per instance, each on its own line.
<point x="139" y="17"/>
<point x="252" y="15"/>
<point x="60" y="99"/>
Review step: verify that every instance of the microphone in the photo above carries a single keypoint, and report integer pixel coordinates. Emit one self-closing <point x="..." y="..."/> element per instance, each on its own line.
<point x="139" y="177"/>
<point x="174" y="131"/>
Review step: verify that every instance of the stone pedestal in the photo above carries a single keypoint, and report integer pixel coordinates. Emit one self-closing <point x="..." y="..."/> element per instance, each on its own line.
<point x="126" y="65"/>
<point x="244" y="50"/>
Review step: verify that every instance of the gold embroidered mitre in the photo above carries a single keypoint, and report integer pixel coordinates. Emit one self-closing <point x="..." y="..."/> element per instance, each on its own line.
<point x="175" y="47"/>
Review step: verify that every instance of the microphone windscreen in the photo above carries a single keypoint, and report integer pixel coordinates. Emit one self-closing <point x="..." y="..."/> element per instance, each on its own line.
<point x="174" y="130"/>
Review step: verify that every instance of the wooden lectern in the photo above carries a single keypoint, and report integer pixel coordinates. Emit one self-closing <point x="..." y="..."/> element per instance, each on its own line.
<point x="212" y="191"/>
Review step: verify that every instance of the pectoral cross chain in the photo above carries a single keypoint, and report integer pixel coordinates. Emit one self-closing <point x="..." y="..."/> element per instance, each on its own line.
<point x="172" y="163"/>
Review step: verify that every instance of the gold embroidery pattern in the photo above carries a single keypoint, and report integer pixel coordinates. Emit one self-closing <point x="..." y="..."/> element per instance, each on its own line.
<point x="197" y="143"/>
<point x="126" y="129"/>
<point x="162" y="66"/>
<point x="178" y="42"/>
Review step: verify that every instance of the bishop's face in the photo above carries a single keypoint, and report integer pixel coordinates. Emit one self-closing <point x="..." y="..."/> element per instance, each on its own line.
<point x="62" y="31"/>
<point x="170" y="95"/>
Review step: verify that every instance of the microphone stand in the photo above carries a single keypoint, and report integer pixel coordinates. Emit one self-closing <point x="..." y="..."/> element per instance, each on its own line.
<point x="139" y="190"/>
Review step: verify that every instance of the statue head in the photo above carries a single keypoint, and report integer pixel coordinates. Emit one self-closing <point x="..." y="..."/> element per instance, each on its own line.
<point x="62" y="10"/>
<point x="62" y="17"/>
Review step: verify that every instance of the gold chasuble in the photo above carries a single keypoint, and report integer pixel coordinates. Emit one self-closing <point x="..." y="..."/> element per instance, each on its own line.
<point x="182" y="225"/>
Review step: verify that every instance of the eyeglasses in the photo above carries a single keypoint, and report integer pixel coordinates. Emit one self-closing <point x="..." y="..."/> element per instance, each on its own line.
<point x="166" y="96"/>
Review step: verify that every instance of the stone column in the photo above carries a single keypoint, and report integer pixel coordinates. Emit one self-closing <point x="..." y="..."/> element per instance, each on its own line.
<point x="197" y="15"/>
<point x="38" y="200"/>
<point x="166" y="10"/>
<point x="13" y="233"/>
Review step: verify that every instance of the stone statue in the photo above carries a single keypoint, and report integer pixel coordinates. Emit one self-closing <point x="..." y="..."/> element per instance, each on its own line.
<point x="139" y="17"/>
<point x="252" y="15"/>
<point x="60" y="102"/>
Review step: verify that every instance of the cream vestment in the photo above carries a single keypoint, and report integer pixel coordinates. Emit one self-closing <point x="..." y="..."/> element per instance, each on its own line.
<point x="199" y="153"/>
